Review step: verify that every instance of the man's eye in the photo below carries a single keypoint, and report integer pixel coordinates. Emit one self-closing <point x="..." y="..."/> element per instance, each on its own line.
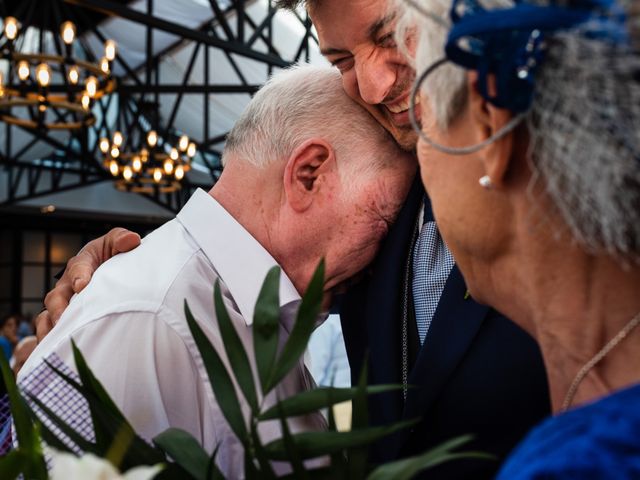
<point x="343" y="64"/>
<point x="387" y="41"/>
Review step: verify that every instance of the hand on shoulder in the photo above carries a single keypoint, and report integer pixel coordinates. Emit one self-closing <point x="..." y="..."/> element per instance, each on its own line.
<point x="78" y="273"/>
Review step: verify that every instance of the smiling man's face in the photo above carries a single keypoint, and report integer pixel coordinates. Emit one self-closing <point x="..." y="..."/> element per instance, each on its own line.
<point x="357" y="36"/>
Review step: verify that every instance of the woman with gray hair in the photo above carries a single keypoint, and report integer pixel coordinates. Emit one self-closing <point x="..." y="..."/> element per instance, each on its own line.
<point x="530" y="151"/>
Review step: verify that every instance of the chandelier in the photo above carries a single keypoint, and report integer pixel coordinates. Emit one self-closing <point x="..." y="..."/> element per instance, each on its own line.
<point x="157" y="166"/>
<point x="28" y="95"/>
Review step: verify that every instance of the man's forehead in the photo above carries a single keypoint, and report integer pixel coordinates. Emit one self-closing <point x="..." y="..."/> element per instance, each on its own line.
<point x="335" y="18"/>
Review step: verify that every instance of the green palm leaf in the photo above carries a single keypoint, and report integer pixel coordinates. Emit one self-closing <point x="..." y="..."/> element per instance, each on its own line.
<point x="304" y="325"/>
<point x="316" y="444"/>
<point x="27" y="433"/>
<point x="319" y="398"/>
<point x="182" y="447"/>
<point x="266" y="325"/>
<point x="219" y="378"/>
<point x="407" y="468"/>
<point x="235" y="350"/>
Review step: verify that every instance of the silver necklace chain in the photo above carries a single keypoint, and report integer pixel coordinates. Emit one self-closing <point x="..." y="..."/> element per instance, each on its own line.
<point x="405" y="311"/>
<point x="611" y="344"/>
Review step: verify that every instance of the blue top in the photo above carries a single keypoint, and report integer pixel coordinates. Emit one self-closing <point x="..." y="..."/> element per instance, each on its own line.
<point x="6" y="347"/>
<point x="597" y="441"/>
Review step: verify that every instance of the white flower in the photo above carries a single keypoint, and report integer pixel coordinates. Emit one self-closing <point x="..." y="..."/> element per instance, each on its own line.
<point x="89" y="467"/>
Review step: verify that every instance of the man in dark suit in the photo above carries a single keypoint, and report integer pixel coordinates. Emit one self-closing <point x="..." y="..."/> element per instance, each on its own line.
<point x="475" y="373"/>
<point x="465" y="367"/>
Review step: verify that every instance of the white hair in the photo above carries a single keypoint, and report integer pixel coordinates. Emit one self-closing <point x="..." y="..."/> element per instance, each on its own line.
<point x="297" y="104"/>
<point x="583" y="124"/>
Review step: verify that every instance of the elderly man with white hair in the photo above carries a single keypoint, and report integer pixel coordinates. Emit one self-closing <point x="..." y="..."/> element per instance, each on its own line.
<point x="308" y="175"/>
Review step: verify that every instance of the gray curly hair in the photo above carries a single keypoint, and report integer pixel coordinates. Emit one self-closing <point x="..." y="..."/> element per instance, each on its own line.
<point x="584" y="123"/>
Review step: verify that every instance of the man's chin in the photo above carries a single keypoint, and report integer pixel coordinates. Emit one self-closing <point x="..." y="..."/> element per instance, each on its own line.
<point x="403" y="133"/>
<point x="407" y="139"/>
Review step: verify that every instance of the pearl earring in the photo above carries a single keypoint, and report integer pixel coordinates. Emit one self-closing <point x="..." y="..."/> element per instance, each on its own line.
<point x="485" y="182"/>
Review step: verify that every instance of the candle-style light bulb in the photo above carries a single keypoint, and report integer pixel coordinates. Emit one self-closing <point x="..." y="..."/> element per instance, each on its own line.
<point x="127" y="173"/>
<point x="191" y="150"/>
<point x="11" y="28"/>
<point x="157" y="175"/>
<point x="86" y="101"/>
<point x="104" y="65"/>
<point x="136" y="164"/>
<point x="114" y="168"/>
<point x="117" y="138"/>
<point x="91" y="86"/>
<point x="144" y="155"/>
<point x="73" y="75"/>
<point x="23" y="70"/>
<point x="173" y="153"/>
<point x="43" y="75"/>
<point x="68" y="32"/>
<point x="152" y="138"/>
<point x="115" y="152"/>
<point x="183" y="143"/>
<point x="104" y="145"/>
<point x="168" y="166"/>
<point x="179" y="173"/>
<point x="110" y="49"/>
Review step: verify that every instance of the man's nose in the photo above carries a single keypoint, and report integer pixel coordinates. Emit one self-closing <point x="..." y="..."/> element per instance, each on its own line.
<point x="375" y="80"/>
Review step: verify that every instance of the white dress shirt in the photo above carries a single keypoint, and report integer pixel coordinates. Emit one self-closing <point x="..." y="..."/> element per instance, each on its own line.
<point x="130" y="325"/>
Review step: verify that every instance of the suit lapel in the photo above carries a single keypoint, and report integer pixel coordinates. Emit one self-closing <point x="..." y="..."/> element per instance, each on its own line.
<point x="383" y="308"/>
<point x="455" y="324"/>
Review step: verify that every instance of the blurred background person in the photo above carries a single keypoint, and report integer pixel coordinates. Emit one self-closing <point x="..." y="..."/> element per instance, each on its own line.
<point x="531" y="156"/>
<point x="25" y="326"/>
<point x="327" y="360"/>
<point x="22" y="351"/>
<point x="327" y="355"/>
<point x="8" y="334"/>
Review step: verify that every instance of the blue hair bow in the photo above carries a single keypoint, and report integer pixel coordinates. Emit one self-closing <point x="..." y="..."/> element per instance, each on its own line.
<point x="508" y="43"/>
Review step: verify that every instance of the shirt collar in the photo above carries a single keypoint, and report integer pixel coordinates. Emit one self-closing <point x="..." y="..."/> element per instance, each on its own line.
<point x="239" y="259"/>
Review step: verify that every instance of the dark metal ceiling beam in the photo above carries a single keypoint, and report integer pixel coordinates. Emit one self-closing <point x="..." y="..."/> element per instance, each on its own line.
<point x="182" y="89"/>
<point x="111" y="8"/>
<point x="35" y="188"/>
<point x="177" y="88"/>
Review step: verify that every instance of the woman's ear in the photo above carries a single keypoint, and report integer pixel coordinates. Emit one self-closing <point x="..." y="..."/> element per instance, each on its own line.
<point x="305" y="172"/>
<point x="498" y="155"/>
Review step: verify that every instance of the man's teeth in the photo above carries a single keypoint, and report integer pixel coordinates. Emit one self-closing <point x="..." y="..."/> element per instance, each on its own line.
<point x="402" y="106"/>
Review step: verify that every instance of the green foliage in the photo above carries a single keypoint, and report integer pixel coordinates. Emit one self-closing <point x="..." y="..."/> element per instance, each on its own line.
<point x="266" y="324"/>
<point x="187" y="452"/>
<point x="316" y="444"/>
<point x="303" y="328"/>
<point x="346" y="452"/>
<point x="235" y="351"/>
<point x="29" y="459"/>
<point x="318" y="398"/>
<point x="360" y="419"/>
<point x="409" y="467"/>
<point x="219" y="378"/>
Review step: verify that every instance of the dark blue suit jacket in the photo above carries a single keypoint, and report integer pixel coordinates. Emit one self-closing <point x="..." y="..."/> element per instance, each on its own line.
<point x="476" y="373"/>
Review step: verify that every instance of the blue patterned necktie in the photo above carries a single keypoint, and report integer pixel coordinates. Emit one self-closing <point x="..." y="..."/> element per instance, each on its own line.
<point x="432" y="264"/>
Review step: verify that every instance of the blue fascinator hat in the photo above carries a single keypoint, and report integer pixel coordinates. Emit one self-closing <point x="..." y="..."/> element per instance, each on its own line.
<point x="510" y="42"/>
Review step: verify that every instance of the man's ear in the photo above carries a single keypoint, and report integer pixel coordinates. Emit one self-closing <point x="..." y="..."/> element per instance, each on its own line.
<point x="306" y="170"/>
<point x="498" y="155"/>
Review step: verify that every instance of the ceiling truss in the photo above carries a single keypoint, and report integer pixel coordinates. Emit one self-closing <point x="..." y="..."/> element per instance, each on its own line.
<point x="77" y="162"/>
